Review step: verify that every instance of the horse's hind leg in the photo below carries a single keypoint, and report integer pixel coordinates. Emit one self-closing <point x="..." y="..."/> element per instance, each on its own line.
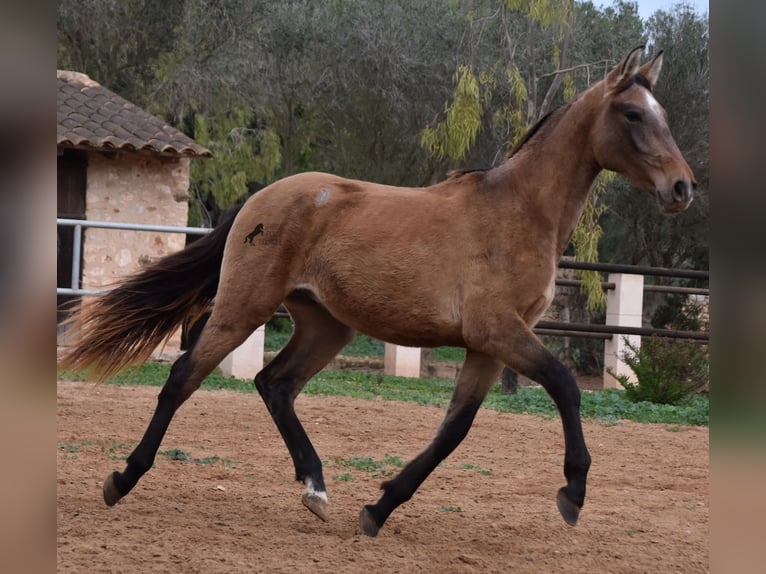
<point x="478" y="374"/>
<point x="217" y="340"/>
<point x="317" y="339"/>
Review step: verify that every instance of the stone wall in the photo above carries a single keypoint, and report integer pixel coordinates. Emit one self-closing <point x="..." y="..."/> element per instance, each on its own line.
<point x="132" y="188"/>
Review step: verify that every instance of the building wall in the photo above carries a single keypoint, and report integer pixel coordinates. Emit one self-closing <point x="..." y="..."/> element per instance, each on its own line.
<point x="132" y="188"/>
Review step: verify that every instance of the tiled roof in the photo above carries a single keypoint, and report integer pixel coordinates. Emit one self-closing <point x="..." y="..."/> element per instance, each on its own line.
<point x="90" y="115"/>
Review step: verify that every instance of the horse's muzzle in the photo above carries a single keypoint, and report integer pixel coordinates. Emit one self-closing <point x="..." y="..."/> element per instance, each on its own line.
<point x="678" y="198"/>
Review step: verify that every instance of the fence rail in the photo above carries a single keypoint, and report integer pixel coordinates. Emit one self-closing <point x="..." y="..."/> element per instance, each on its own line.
<point x="635" y="269"/>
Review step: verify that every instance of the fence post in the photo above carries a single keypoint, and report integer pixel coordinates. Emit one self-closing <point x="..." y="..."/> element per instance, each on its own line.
<point x="624" y="308"/>
<point x="401" y="361"/>
<point x="245" y="361"/>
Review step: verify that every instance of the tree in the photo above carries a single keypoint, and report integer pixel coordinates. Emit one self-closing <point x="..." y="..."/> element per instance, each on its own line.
<point x="639" y="235"/>
<point x="242" y="155"/>
<point x="117" y="42"/>
<point x="540" y="40"/>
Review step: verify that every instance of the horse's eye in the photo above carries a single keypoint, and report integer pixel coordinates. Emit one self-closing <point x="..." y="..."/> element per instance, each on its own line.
<point x="633" y="116"/>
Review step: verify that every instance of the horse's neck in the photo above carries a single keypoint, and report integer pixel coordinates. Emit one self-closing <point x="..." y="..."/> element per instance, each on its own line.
<point x="554" y="172"/>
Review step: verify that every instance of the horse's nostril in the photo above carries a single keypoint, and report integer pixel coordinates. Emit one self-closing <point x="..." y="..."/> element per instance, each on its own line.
<point x="682" y="190"/>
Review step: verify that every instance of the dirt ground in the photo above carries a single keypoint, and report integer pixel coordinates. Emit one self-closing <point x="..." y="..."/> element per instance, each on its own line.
<point x="490" y="507"/>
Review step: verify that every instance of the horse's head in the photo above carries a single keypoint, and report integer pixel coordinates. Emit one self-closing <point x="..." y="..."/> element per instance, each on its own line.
<point x="631" y="135"/>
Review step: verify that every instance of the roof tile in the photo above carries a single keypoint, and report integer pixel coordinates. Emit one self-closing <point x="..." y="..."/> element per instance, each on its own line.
<point x="93" y="116"/>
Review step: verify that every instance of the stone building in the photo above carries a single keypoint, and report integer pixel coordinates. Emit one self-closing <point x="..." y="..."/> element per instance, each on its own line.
<point x="117" y="162"/>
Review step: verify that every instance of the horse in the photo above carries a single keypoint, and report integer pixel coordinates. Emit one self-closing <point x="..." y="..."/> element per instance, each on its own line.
<point x="467" y="262"/>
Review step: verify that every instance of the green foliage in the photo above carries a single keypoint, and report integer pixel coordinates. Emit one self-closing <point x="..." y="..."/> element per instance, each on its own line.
<point x="242" y="155"/>
<point x="454" y="136"/>
<point x="363" y="346"/>
<point x="634" y="231"/>
<point x="585" y="240"/>
<point x="678" y="312"/>
<point x="547" y="13"/>
<point x="276" y="65"/>
<point x="280" y="325"/>
<point x="668" y="371"/>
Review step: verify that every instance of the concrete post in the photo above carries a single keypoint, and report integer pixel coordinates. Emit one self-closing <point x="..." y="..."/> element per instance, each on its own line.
<point x="624" y="307"/>
<point x="246" y="360"/>
<point x="401" y="361"/>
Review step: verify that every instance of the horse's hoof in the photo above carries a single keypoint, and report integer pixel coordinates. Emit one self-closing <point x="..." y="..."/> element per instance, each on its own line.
<point x="568" y="509"/>
<point x="316" y="504"/>
<point x="367" y="523"/>
<point x="111" y="494"/>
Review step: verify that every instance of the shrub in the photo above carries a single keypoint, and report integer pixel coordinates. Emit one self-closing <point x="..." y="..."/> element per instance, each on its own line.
<point x="668" y="371"/>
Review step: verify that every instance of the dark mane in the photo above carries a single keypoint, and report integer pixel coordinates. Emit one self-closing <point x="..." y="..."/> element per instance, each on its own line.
<point x="456" y="173"/>
<point x="534" y="129"/>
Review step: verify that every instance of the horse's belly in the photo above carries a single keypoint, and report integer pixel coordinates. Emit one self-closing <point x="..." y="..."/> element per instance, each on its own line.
<point x="415" y="319"/>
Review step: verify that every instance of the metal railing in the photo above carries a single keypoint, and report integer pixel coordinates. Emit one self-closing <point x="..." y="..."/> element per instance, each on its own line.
<point x="78" y="225"/>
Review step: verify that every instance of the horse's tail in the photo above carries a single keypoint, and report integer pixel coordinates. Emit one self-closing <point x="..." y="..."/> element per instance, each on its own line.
<point x="123" y="326"/>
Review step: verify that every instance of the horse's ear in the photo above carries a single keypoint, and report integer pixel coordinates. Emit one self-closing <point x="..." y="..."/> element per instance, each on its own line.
<point x="651" y="70"/>
<point x="625" y="69"/>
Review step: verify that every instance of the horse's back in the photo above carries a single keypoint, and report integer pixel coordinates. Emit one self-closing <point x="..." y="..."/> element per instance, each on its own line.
<point x="375" y="255"/>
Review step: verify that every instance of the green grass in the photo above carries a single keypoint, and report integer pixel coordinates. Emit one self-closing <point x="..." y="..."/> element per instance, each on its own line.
<point x="455" y="354"/>
<point x="378" y="468"/>
<point x="278" y="333"/>
<point x="361" y="346"/>
<point x="450" y="509"/>
<point x="476" y="468"/>
<point x="183" y="456"/>
<point x="608" y="406"/>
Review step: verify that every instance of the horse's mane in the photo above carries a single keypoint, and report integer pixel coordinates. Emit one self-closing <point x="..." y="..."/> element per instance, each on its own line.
<point x="531" y="132"/>
<point x="455" y="173"/>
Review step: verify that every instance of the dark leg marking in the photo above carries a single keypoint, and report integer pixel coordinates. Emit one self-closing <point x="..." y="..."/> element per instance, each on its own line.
<point x="317" y="339"/>
<point x="562" y="388"/>
<point x="172" y="395"/>
<point x="478" y="374"/>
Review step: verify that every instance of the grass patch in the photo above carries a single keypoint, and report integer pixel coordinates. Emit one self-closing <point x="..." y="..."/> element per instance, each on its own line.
<point x="345" y="477"/>
<point x="360" y="346"/>
<point x="451" y="354"/>
<point x="183" y="456"/>
<point x="609" y="406"/>
<point x="476" y="468"/>
<point x="378" y="468"/>
<point x="450" y="509"/>
<point x="279" y="330"/>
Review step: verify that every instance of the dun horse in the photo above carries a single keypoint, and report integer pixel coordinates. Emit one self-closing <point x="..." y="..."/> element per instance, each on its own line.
<point x="467" y="262"/>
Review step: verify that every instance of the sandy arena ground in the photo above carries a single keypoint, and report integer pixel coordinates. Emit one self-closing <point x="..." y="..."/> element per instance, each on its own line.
<point x="490" y="507"/>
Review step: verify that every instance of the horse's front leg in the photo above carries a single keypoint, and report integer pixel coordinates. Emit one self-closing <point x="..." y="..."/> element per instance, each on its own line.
<point x="513" y="342"/>
<point x="478" y="374"/>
